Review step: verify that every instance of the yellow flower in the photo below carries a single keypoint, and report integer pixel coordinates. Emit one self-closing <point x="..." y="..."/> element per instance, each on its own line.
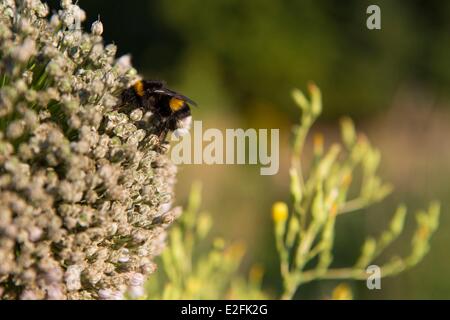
<point x="334" y="209"/>
<point x="279" y="211"/>
<point x="342" y="292"/>
<point x="347" y="180"/>
<point x="318" y="143"/>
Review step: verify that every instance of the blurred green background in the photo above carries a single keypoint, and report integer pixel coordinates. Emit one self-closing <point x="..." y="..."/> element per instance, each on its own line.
<point x="240" y="59"/>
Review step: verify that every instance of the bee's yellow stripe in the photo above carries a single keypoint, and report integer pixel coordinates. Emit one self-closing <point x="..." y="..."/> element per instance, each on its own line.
<point x="139" y="88"/>
<point x="175" y="104"/>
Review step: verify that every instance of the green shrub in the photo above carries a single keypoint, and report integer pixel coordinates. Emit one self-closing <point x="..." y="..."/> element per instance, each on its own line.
<point x="305" y="233"/>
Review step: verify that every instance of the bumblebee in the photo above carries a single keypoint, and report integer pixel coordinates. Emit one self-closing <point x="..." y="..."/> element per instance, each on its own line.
<point x="167" y="106"/>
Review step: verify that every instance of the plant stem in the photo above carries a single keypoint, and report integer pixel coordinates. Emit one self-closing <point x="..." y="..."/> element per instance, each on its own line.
<point x="353" y="205"/>
<point x="291" y="284"/>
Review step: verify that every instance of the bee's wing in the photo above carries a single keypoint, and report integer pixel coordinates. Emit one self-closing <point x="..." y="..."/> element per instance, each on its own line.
<point x="174" y="94"/>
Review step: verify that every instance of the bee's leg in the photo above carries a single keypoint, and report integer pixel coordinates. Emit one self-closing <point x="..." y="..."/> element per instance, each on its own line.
<point x="163" y="135"/>
<point x="169" y="124"/>
<point x="163" y="145"/>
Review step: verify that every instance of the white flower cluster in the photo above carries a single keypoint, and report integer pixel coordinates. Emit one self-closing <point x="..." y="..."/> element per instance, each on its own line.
<point x="85" y="191"/>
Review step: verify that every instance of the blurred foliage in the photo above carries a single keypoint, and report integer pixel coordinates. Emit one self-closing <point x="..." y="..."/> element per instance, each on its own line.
<point x="257" y="50"/>
<point x="189" y="273"/>
<point x="342" y="292"/>
<point x="304" y="235"/>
